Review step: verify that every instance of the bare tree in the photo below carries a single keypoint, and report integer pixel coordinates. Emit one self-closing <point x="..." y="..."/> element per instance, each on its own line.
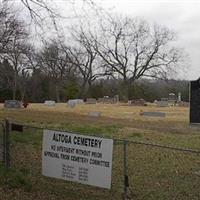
<point x="131" y="49"/>
<point x="24" y="77"/>
<point x="9" y="26"/>
<point x="85" y="58"/>
<point x="15" y="51"/>
<point x="54" y="62"/>
<point x="40" y="10"/>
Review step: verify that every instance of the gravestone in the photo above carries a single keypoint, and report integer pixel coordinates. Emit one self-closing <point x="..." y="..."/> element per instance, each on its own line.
<point x="79" y="101"/>
<point x="49" y="103"/>
<point x="183" y="104"/>
<point x="195" y="102"/>
<point x="179" y="97"/>
<point x="172" y="99"/>
<point x="91" y="101"/>
<point x="94" y="114"/>
<point x="73" y="102"/>
<point x="163" y="103"/>
<point x="100" y="100"/>
<point x="137" y="102"/>
<point x="153" y="114"/>
<point x="172" y="96"/>
<point x="116" y="98"/>
<point x="12" y="104"/>
<point x="155" y="101"/>
<point x="108" y="100"/>
<point x="164" y="99"/>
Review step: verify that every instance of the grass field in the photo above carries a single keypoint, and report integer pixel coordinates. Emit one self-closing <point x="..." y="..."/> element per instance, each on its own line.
<point x="154" y="173"/>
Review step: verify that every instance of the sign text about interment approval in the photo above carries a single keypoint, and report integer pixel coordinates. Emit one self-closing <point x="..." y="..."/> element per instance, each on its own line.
<point x="79" y="158"/>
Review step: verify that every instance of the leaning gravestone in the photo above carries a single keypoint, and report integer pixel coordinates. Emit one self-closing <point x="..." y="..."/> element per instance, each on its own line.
<point x="49" y="103"/>
<point x="12" y="104"/>
<point x="195" y="102"/>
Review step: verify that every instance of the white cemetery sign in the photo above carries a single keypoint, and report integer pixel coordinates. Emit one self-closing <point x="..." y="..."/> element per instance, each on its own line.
<point x="78" y="158"/>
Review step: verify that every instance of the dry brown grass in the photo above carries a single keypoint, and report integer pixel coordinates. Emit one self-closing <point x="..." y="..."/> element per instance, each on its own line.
<point x="117" y="120"/>
<point x="122" y="111"/>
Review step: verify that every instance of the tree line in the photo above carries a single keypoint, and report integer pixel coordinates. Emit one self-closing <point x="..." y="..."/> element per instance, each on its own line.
<point x="117" y="55"/>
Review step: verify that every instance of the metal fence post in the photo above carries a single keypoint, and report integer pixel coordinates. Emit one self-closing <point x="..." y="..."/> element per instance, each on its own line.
<point x="3" y="133"/>
<point x="126" y="183"/>
<point x="6" y="144"/>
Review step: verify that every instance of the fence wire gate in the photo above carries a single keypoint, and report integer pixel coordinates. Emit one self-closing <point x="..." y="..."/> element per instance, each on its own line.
<point x="154" y="171"/>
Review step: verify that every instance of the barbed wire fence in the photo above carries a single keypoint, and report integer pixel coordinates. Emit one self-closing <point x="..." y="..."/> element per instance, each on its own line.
<point x="141" y="170"/>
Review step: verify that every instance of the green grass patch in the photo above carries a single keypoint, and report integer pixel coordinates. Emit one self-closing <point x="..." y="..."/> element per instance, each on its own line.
<point x="136" y="136"/>
<point x="27" y="137"/>
<point x="109" y="130"/>
<point x="13" y="179"/>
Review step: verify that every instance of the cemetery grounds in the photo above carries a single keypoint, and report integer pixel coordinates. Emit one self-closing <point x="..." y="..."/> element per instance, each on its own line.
<point x="154" y="172"/>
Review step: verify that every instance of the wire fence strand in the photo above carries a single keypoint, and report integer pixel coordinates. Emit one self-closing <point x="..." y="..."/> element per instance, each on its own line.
<point x="142" y="170"/>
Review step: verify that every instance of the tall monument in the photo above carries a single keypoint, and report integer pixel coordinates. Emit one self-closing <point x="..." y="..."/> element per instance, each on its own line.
<point x="195" y="102"/>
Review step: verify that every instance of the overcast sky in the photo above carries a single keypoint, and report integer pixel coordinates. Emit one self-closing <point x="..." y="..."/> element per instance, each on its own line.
<point x="183" y="16"/>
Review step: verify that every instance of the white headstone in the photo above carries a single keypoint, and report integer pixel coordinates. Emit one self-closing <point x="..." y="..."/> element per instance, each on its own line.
<point x="179" y="97"/>
<point x="129" y="102"/>
<point x="49" y="103"/>
<point x="73" y="102"/>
